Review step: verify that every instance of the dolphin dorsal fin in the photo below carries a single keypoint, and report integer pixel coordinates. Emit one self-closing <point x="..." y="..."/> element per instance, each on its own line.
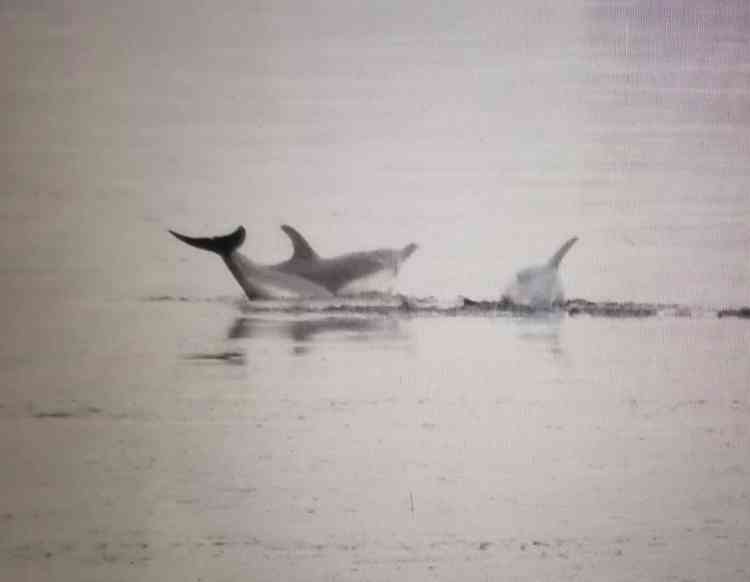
<point x="302" y="248"/>
<point x="554" y="262"/>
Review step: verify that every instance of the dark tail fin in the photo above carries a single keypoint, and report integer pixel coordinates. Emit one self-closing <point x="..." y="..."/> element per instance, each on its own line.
<point x="222" y="245"/>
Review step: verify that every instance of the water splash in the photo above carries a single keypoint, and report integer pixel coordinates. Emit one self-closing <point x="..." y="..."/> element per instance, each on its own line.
<point x="395" y="304"/>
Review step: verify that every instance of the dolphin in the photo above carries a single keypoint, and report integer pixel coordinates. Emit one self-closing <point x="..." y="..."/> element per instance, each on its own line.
<point x="539" y="286"/>
<point x="305" y="274"/>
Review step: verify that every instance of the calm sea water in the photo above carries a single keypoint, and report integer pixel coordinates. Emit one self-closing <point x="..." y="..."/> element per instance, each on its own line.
<point x="200" y="439"/>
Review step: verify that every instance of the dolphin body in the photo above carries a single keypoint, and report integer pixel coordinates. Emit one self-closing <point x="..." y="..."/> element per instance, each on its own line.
<point x="305" y="274"/>
<point x="540" y="286"/>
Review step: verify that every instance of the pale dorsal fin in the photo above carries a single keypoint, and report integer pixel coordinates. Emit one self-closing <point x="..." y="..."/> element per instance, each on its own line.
<point x="558" y="256"/>
<point x="302" y="248"/>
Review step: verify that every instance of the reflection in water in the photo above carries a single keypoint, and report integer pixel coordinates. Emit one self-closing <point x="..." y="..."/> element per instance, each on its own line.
<point x="230" y="357"/>
<point x="542" y="329"/>
<point x="305" y="331"/>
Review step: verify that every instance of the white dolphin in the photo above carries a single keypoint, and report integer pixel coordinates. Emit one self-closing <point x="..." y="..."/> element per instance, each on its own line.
<point x="305" y="274"/>
<point x="539" y="286"/>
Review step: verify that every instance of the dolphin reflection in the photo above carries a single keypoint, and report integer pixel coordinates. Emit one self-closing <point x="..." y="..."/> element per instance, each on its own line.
<point x="308" y="330"/>
<point x="542" y="330"/>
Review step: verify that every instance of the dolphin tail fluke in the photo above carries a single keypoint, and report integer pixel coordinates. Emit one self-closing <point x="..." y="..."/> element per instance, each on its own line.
<point x="222" y="245"/>
<point x="558" y="256"/>
<point x="408" y="250"/>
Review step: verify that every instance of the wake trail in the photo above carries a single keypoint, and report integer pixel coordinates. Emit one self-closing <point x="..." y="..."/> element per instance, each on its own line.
<point x="403" y="305"/>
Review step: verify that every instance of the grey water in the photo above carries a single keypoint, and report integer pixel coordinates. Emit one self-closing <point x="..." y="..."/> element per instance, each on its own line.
<point x="154" y="425"/>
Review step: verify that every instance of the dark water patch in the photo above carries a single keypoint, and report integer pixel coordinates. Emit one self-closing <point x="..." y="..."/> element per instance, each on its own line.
<point x="95" y="552"/>
<point x="573" y="307"/>
<point x="502" y="305"/>
<point x="157" y="298"/>
<point x="34" y="551"/>
<point x="231" y="300"/>
<point x="614" y="309"/>
<point x="81" y="412"/>
<point x="55" y="414"/>
<point x="742" y="312"/>
<point x="228" y="357"/>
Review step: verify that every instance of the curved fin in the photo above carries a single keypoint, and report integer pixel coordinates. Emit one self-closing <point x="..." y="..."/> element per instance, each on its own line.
<point x="558" y="256"/>
<point x="302" y="249"/>
<point x="407" y="251"/>
<point x="222" y="245"/>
